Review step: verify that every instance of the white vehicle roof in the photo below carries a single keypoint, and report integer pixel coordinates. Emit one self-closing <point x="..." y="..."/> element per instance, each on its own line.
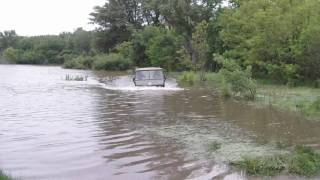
<point x="148" y="69"/>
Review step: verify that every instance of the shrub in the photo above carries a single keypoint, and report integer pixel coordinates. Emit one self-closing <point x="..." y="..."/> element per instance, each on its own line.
<point x="188" y="76"/>
<point x="111" y="62"/>
<point x="12" y="55"/>
<point x="239" y="81"/>
<point x="125" y="49"/>
<point x="80" y="62"/>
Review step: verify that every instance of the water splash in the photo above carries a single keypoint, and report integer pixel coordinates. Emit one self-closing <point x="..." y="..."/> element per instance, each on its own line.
<point x="125" y="83"/>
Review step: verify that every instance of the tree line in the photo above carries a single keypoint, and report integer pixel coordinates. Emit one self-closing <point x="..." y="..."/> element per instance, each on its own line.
<point x="277" y="39"/>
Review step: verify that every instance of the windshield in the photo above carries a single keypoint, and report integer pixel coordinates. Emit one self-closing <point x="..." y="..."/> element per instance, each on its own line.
<point x="148" y="75"/>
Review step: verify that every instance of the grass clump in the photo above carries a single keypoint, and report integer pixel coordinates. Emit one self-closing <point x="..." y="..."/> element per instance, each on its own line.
<point x="266" y="166"/>
<point x="305" y="161"/>
<point x="3" y="176"/>
<point x="214" y="146"/>
<point x="302" y="161"/>
<point x="188" y="77"/>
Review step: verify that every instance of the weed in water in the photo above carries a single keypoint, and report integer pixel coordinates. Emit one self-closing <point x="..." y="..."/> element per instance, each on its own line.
<point x="266" y="166"/>
<point x="76" y="78"/>
<point x="214" y="146"/>
<point x="305" y="161"/>
<point x="302" y="161"/>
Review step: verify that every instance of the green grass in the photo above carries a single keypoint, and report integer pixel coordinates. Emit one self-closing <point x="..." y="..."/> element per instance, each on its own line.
<point x="303" y="161"/>
<point x="3" y="176"/>
<point x="265" y="166"/>
<point x="304" y="100"/>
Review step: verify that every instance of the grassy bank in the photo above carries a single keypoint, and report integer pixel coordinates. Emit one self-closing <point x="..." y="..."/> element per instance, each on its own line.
<point x="3" y="176"/>
<point x="303" y="161"/>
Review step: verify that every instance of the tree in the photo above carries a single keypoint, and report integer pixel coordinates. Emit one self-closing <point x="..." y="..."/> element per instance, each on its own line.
<point x="8" y="39"/>
<point x="163" y="50"/>
<point x="201" y="46"/>
<point x="265" y="34"/>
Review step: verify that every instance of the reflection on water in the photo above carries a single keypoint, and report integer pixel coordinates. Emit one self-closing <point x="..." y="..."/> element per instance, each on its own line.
<point x="105" y="128"/>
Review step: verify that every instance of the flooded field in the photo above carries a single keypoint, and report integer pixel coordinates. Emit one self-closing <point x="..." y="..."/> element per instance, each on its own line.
<point x="105" y="128"/>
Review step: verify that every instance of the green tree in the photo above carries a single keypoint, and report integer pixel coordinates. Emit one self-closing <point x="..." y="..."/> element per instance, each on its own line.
<point x="163" y="50"/>
<point x="201" y="46"/>
<point x="8" y="39"/>
<point x="11" y="54"/>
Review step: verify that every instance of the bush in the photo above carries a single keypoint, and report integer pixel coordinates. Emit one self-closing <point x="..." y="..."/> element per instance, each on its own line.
<point x="80" y="62"/>
<point x="188" y="76"/>
<point x="238" y="81"/>
<point x="12" y="55"/>
<point x="111" y="61"/>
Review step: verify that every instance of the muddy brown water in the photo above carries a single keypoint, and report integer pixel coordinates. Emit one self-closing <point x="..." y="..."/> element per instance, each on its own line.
<point x="105" y="128"/>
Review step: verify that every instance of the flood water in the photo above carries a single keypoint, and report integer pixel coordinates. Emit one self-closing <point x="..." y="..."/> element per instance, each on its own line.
<point x="105" y="128"/>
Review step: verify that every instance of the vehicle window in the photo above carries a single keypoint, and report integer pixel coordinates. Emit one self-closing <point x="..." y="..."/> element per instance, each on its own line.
<point x="142" y="75"/>
<point x="156" y="75"/>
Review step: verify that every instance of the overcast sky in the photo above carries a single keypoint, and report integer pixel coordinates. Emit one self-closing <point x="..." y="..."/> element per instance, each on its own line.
<point x="41" y="17"/>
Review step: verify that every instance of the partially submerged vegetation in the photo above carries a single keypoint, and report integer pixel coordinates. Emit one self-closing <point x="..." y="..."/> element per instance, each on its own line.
<point x="76" y="78"/>
<point x="304" y="100"/>
<point x="214" y="146"/>
<point x="303" y="161"/>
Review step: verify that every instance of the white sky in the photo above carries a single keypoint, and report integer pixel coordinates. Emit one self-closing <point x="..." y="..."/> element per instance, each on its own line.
<point x="41" y="17"/>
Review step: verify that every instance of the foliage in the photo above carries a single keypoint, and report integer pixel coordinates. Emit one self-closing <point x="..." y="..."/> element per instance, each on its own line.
<point x="8" y="39"/>
<point x="12" y="55"/>
<point x="305" y="161"/>
<point x="200" y="44"/>
<point x="266" y="166"/>
<point x="111" y="61"/>
<point x="278" y="38"/>
<point x="163" y="50"/>
<point x="237" y="80"/>
<point x="80" y="62"/>
<point x="302" y="161"/>
<point x="188" y="77"/>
